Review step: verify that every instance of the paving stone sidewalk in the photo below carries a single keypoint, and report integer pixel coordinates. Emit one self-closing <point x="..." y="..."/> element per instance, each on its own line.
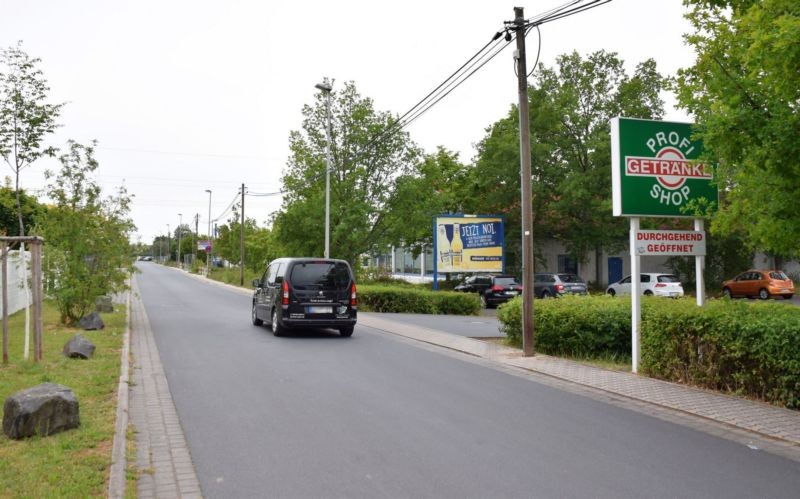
<point x="162" y="456"/>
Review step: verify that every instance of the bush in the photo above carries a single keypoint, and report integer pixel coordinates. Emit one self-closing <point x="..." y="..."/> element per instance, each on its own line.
<point x="579" y="326"/>
<point x="750" y="349"/>
<point x="406" y="299"/>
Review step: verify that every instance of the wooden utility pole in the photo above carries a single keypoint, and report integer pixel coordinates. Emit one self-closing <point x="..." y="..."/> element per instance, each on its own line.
<point x="241" y="245"/>
<point x="525" y="186"/>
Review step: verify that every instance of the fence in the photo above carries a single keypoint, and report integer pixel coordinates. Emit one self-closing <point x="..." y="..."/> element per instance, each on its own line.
<point x="17" y="271"/>
<point x="36" y="291"/>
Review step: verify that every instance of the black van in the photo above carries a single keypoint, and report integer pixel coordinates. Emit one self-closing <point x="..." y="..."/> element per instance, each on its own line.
<point x="306" y="292"/>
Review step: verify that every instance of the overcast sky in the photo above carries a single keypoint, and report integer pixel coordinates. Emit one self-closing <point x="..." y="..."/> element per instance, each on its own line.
<point x="185" y="96"/>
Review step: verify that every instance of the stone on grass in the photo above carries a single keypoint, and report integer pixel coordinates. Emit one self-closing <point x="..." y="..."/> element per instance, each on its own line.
<point x="44" y="409"/>
<point x="92" y="322"/>
<point x="78" y="347"/>
<point x="103" y="304"/>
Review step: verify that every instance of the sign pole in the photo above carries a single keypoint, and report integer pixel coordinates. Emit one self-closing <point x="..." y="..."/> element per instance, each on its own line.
<point x="636" y="296"/>
<point x="699" y="265"/>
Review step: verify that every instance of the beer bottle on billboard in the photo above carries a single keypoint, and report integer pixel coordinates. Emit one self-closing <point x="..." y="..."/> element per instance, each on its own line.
<point x="443" y="246"/>
<point x="457" y="245"/>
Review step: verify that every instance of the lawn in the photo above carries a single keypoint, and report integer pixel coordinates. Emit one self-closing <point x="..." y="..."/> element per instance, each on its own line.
<point x="74" y="463"/>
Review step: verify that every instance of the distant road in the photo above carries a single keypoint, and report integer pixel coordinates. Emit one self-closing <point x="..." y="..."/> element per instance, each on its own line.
<point x="379" y="416"/>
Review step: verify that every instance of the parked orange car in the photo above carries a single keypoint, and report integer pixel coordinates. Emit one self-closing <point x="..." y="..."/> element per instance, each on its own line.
<point x="761" y="283"/>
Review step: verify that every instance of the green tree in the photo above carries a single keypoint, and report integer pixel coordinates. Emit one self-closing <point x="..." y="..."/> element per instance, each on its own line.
<point x="86" y="237"/>
<point x="363" y="174"/>
<point x="432" y="187"/>
<point x="260" y="246"/>
<point x="570" y="110"/>
<point x="9" y="214"/>
<point x="743" y="91"/>
<point x="25" y="116"/>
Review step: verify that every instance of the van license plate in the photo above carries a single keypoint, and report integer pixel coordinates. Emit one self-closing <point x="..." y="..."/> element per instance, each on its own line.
<point x="320" y="310"/>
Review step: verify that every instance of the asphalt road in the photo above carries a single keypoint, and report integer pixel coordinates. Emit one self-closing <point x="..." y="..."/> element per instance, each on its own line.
<point x="318" y="415"/>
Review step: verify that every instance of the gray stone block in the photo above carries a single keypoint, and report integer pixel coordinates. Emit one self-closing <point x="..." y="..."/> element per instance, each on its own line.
<point x="92" y="322"/>
<point x="44" y="409"/>
<point x="103" y="304"/>
<point x="78" y="347"/>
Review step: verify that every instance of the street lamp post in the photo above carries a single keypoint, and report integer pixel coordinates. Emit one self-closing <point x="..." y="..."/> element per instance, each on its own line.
<point x="180" y="233"/>
<point x="208" y="253"/>
<point x="326" y="88"/>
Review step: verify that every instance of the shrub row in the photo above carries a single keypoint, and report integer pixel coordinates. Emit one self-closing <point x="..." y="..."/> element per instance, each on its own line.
<point x="577" y="326"/>
<point x="414" y="300"/>
<point x="747" y="348"/>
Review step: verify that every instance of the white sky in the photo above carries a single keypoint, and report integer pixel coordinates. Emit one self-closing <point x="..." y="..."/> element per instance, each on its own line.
<point x="185" y="96"/>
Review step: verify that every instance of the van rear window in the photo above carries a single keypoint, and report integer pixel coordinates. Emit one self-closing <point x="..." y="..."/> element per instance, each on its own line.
<point x="320" y="275"/>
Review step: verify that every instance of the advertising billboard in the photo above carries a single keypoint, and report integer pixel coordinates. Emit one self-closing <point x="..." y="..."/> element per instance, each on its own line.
<point x="468" y="243"/>
<point x="655" y="169"/>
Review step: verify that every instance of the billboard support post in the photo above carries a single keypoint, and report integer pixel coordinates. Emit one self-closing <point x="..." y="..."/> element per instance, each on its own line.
<point x="636" y="297"/>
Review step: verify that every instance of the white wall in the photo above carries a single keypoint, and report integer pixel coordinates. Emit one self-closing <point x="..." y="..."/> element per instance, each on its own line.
<point x="16" y="295"/>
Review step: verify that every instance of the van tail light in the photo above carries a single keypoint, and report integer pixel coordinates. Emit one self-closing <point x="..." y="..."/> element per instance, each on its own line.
<point x="660" y="285"/>
<point x="497" y="288"/>
<point x="353" y="298"/>
<point x="560" y="288"/>
<point x="285" y="293"/>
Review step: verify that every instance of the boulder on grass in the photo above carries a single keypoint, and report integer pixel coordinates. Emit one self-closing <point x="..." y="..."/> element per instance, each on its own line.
<point x="78" y="347"/>
<point x="92" y="322"/>
<point x="103" y="304"/>
<point x="44" y="409"/>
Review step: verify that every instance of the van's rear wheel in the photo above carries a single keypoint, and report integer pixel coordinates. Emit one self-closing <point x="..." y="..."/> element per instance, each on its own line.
<point x="277" y="329"/>
<point x="256" y="320"/>
<point x="763" y="294"/>
<point x="346" y="331"/>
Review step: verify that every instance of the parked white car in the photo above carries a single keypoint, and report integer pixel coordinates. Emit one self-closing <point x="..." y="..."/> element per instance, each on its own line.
<point x="651" y="284"/>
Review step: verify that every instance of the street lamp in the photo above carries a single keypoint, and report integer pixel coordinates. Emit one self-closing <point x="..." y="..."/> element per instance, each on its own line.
<point x="209" y="230"/>
<point x="326" y="88"/>
<point x="180" y="233"/>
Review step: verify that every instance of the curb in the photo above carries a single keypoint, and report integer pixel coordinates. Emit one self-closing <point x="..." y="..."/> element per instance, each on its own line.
<point x="117" y="479"/>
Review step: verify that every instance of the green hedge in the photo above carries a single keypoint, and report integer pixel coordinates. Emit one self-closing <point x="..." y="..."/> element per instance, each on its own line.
<point x="748" y="348"/>
<point x="578" y="326"/>
<point x="377" y="298"/>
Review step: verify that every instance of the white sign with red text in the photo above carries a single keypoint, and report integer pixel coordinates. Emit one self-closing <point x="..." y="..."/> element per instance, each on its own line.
<point x="670" y="243"/>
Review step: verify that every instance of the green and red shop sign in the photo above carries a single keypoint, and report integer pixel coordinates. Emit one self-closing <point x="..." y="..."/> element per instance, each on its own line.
<point x="655" y="169"/>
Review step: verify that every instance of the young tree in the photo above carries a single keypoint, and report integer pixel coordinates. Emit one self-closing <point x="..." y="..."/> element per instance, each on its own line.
<point x="86" y="236"/>
<point x="25" y="116"/>
<point x="363" y="174"/>
<point x="744" y="90"/>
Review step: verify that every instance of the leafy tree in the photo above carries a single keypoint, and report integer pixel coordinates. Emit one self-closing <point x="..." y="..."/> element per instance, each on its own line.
<point x="9" y="214"/>
<point x="570" y="110"/>
<point x="431" y="187"/>
<point x="260" y="246"/>
<point x="25" y="116"/>
<point x="744" y="90"/>
<point x="86" y="237"/>
<point x="363" y="174"/>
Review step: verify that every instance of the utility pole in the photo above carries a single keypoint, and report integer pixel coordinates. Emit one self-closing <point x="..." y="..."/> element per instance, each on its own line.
<point x="169" y="244"/>
<point x="525" y="183"/>
<point x="241" y="244"/>
<point x="196" y="235"/>
<point x="180" y="233"/>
